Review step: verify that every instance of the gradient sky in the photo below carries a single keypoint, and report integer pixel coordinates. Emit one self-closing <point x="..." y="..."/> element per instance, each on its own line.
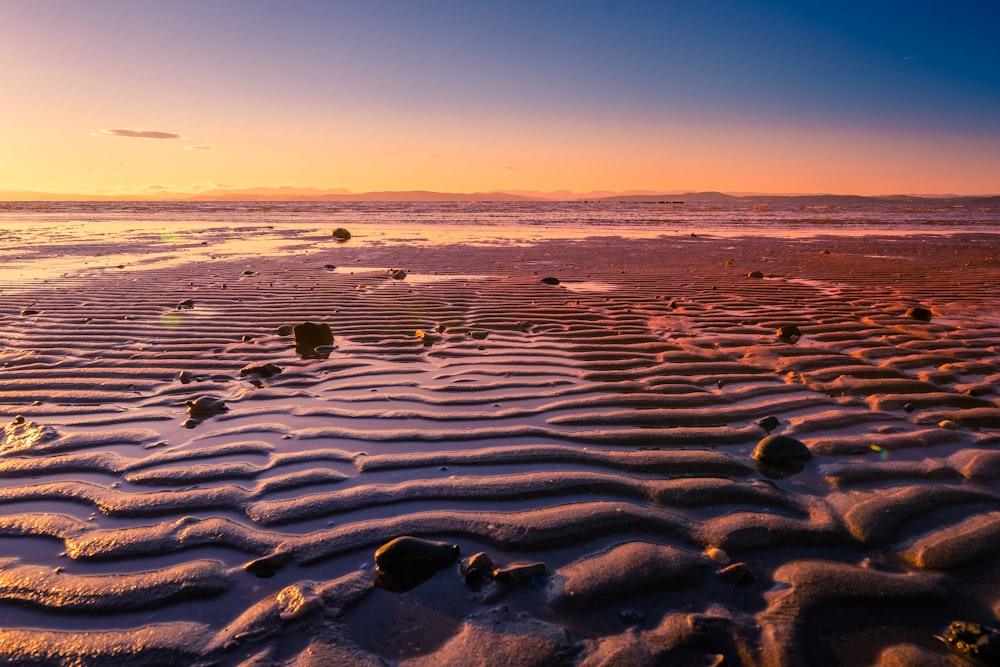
<point x="871" y="97"/>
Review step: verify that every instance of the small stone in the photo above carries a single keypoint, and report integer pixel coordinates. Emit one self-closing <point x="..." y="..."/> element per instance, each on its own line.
<point x="426" y="339"/>
<point x="399" y="274"/>
<point x="519" y="572"/>
<point x="308" y="336"/>
<point x="406" y="553"/>
<point x="28" y="311"/>
<point x="479" y="335"/>
<point x="285" y="330"/>
<point x="718" y="555"/>
<point x="476" y="569"/>
<point x="205" y="407"/>
<point x="909" y="407"/>
<point x="769" y="423"/>
<point x="329" y="267"/>
<point x="781" y="450"/>
<point x="948" y="424"/>
<point x="261" y="370"/>
<point x="186" y="304"/>
<point x="340" y="235"/>
<point x="919" y="313"/>
<point x="185" y="377"/>
<point x="267" y="566"/>
<point x="789" y="334"/>
<point x="550" y="281"/>
<point x="755" y="274"/>
<point x="971" y="640"/>
<point x="739" y="573"/>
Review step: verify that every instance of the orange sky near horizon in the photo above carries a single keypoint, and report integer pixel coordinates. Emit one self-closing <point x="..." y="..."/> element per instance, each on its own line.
<point x="245" y="95"/>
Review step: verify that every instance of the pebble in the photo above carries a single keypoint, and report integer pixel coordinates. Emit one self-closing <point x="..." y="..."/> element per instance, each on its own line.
<point x="739" y="573"/>
<point x="186" y="304"/>
<point x="405" y="554"/>
<point x="789" y="334"/>
<point x="261" y="370"/>
<point x="550" y="281"/>
<point x="519" y="572"/>
<point x="399" y="274"/>
<point x="718" y="555"/>
<point x="476" y="569"/>
<point x="769" y="423"/>
<point x="755" y="274"/>
<point x="308" y="336"/>
<point x="779" y="450"/>
<point x="205" y="407"/>
<point x="975" y="641"/>
<point x="340" y="235"/>
<point x="919" y="313"/>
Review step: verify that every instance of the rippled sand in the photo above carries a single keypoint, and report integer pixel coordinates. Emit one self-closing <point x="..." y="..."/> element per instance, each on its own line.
<point x="602" y="428"/>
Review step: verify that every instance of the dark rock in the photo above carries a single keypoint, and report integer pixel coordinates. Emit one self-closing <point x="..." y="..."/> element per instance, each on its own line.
<point x="205" y="407"/>
<point x="329" y="267"/>
<point x="308" y="336"/>
<point x="399" y="274"/>
<point x="755" y="274"/>
<point x="919" y="313"/>
<point x="406" y="562"/>
<point x="186" y="377"/>
<point x="971" y="640"/>
<point x="477" y="569"/>
<point x="479" y="335"/>
<point x="267" y="566"/>
<point x="28" y="311"/>
<point x="738" y="573"/>
<point x="186" y="304"/>
<point x="285" y="330"/>
<point x="413" y="553"/>
<point x="261" y="370"/>
<point x="340" y="235"/>
<point x="789" y="334"/>
<point x="550" y="281"/>
<point x="426" y="339"/>
<point x="781" y="450"/>
<point x="769" y="423"/>
<point x="518" y="573"/>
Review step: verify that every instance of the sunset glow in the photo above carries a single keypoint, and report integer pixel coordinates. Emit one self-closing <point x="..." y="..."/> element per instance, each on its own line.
<point x="174" y="99"/>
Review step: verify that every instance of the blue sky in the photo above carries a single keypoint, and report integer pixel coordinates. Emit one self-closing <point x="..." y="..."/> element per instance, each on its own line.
<point x="491" y="95"/>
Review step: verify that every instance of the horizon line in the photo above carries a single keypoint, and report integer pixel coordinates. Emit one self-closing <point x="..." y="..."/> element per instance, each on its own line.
<point x="306" y="194"/>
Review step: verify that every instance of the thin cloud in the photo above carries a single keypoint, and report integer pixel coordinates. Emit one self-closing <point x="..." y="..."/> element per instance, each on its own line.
<point x="137" y="134"/>
<point x="201" y="147"/>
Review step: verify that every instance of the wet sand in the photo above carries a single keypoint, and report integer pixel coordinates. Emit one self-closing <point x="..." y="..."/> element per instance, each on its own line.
<point x="600" y="429"/>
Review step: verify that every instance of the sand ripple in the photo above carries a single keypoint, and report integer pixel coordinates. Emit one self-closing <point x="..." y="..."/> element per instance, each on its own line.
<point x="599" y="430"/>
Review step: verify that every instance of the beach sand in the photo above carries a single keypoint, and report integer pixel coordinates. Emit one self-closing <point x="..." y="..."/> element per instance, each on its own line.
<point x="601" y="430"/>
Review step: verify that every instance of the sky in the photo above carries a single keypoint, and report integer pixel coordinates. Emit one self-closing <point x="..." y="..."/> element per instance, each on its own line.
<point x="139" y="97"/>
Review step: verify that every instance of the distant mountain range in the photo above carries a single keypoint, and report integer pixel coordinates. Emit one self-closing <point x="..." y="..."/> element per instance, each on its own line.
<point x="315" y="194"/>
